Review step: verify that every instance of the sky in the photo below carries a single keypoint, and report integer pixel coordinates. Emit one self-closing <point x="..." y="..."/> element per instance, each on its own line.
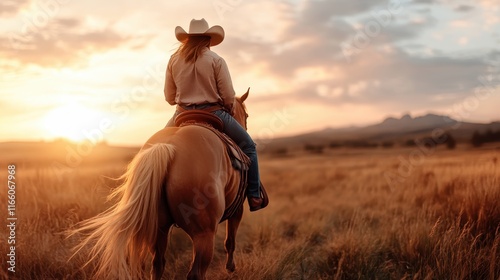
<point x="94" y="70"/>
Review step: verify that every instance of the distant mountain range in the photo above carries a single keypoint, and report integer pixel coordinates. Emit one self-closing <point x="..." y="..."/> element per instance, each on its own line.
<point x="389" y="130"/>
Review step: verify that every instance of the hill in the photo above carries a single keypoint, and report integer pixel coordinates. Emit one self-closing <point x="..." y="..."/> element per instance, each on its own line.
<point x="391" y="130"/>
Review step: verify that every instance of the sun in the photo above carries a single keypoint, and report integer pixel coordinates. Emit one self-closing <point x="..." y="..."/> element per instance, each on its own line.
<point x="70" y="121"/>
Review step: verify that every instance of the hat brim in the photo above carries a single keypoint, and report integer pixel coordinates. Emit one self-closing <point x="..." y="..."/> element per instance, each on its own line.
<point x="215" y="32"/>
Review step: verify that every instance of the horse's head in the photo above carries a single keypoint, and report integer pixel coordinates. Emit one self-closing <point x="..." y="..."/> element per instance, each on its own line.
<point x="240" y="111"/>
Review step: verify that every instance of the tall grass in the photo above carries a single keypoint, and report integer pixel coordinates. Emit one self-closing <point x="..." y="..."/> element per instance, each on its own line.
<point x="332" y="216"/>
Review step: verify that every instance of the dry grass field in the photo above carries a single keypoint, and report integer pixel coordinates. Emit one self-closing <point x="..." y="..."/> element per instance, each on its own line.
<point x="332" y="216"/>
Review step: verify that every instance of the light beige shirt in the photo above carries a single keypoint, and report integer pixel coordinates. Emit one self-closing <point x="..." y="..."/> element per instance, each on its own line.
<point x="205" y="81"/>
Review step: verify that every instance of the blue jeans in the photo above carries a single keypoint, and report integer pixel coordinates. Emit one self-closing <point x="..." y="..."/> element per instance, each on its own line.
<point x="241" y="137"/>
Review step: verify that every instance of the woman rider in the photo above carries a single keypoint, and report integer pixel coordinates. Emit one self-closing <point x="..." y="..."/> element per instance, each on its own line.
<point x="198" y="78"/>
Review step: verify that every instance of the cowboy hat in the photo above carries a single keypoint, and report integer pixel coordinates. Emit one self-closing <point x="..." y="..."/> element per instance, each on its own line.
<point x="200" y="27"/>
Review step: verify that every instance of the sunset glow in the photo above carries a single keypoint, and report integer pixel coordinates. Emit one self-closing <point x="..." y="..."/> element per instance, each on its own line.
<point x="69" y="121"/>
<point x="350" y="63"/>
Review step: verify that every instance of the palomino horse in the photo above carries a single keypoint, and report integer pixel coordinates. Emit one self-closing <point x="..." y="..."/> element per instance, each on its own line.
<point x="182" y="175"/>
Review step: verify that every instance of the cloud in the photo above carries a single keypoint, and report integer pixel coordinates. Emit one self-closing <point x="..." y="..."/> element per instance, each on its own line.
<point x="464" y="8"/>
<point x="316" y="37"/>
<point x="424" y="1"/>
<point x="399" y="79"/>
<point x="315" y="11"/>
<point x="383" y="74"/>
<point x="12" y="7"/>
<point x="61" y="42"/>
<point x="311" y="39"/>
<point x="411" y="29"/>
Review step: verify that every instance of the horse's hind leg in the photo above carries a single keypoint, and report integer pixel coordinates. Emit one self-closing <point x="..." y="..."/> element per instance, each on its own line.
<point x="164" y="224"/>
<point x="203" y="249"/>
<point x="159" y="255"/>
<point x="230" y="243"/>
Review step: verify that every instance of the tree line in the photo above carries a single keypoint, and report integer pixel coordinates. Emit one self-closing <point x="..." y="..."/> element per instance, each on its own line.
<point x="489" y="136"/>
<point x="477" y="140"/>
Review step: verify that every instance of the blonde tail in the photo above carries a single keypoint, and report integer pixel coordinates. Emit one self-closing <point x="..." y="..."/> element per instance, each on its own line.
<point x="122" y="237"/>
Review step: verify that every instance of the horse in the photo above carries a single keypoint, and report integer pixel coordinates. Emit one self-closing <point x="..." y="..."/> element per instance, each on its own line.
<point x="181" y="176"/>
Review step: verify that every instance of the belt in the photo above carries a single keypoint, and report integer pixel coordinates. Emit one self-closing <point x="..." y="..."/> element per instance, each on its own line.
<point x="209" y="107"/>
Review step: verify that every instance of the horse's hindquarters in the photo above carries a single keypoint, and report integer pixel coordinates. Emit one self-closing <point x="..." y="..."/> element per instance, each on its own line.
<point x="200" y="183"/>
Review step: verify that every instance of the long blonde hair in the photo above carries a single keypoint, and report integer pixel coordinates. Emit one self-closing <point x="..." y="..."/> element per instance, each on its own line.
<point x="193" y="47"/>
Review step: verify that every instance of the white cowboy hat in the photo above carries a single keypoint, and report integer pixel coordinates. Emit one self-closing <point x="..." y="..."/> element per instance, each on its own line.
<point x="200" y="27"/>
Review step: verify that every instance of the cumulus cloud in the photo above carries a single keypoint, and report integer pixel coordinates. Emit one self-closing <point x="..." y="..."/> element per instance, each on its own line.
<point x="318" y="32"/>
<point x="464" y="8"/>
<point x="382" y="73"/>
<point x="61" y="42"/>
<point x="12" y="7"/>
<point x="398" y="78"/>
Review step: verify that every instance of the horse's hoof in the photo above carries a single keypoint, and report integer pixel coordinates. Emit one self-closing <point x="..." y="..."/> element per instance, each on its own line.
<point x="230" y="267"/>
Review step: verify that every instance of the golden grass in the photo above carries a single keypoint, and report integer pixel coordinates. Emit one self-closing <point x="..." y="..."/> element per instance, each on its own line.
<point x="332" y="216"/>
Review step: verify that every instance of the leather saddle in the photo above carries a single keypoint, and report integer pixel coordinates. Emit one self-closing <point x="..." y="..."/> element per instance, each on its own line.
<point x="239" y="160"/>
<point x="199" y="116"/>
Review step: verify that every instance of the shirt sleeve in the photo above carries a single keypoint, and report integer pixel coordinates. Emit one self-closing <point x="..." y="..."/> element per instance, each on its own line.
<point x="224" y="84"/>
<point x="170" y="89"/>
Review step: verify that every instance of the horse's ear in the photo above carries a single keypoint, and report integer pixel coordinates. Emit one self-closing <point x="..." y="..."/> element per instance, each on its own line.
<point x="245" y="96"/>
